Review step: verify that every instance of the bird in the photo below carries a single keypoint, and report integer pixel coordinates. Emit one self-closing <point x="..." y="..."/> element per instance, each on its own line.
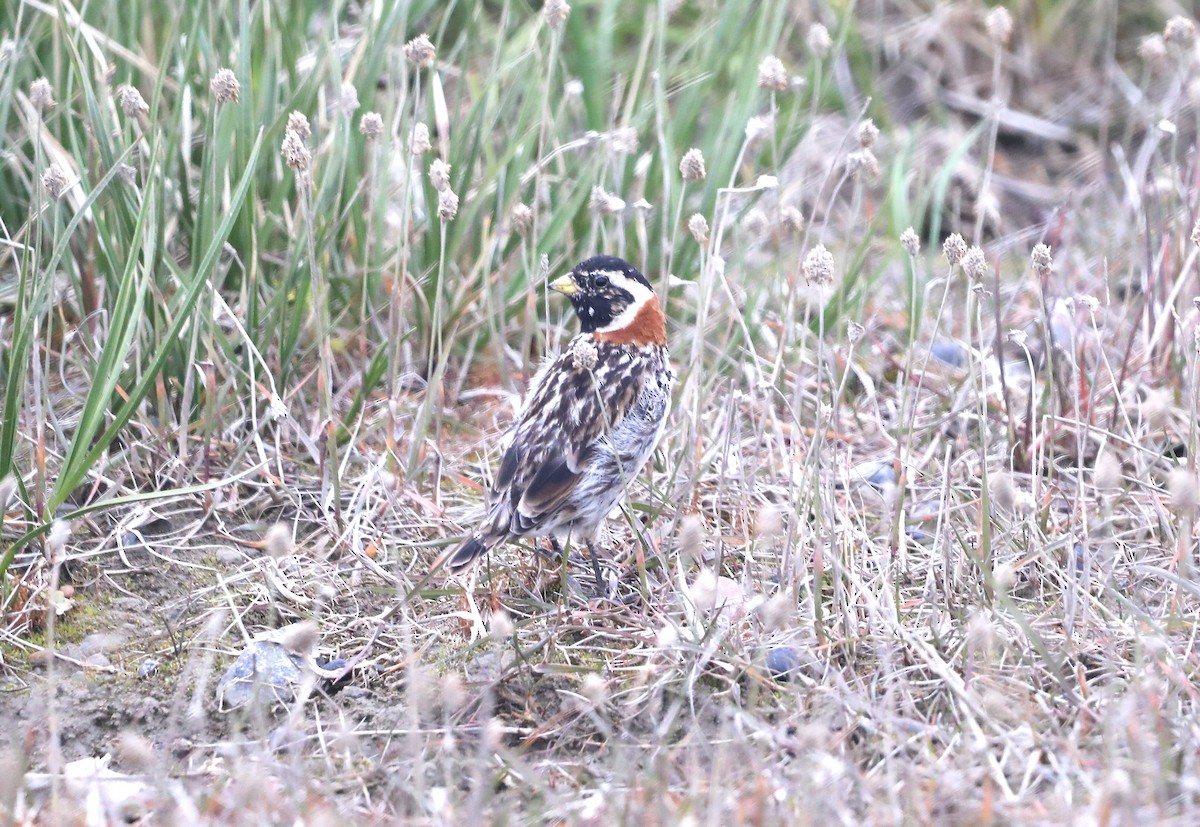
<point x="590" y="420"/>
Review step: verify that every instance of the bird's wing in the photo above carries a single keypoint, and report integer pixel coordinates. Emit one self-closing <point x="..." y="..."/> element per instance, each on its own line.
<point x="569" y="409"/>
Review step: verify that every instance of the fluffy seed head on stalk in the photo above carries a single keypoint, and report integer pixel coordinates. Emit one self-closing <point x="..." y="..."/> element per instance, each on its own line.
<point x="791" y="219"/>
<point x="556" y="12"/>
<point x="277" y="542"/>
<point x="1106" y="474"/>
<point x="521" y="218"/>
<point x="447" y="204"/>
<point x="974" y="264"/>
<point x="698" y="226"/>
<point x="131" y="101"/>
<point x="999" y="25"/>
<point x="868" y="133"/>
<point x="1180" y="32"/>
<point x="954" y="248"/>
<point x="41" y="95"/>
<point x="772" y="74"/>
<point x="819" y="41"/>
<point x="755" y="223"/>
<point x="225" y="87"/>
<point x="439" y="174"/>
<point x="371" y="125"/>
<point x="294" y="151"/>
<point x="605" y="203"/>
<point x="420" y="140"/>
<point x="420" y="51"/>
<point x="55" y="181"/>
<point x="862" y="162"/>
<point x="298" y="123"/>
<point x="818" y="265"/>
<point x="348" y="99"/>
<point x="911" y="242"/>
<point x="1184" y="489"/>
<point x="1153" y="50"/>
<point x="1042" y="260"/>
<point x="691" y="166"/>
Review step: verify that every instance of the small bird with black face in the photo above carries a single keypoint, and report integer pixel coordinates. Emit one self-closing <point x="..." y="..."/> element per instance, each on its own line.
<point x="590" y="420"/>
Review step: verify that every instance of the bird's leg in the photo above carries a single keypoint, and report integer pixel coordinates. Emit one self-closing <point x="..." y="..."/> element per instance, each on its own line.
<point x="596" y="568"/>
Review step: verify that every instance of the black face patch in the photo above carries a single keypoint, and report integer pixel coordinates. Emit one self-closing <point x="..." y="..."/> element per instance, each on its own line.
<point x="599" y="301"/>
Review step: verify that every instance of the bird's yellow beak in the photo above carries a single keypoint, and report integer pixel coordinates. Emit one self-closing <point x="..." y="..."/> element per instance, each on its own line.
<point x="565" y="285"/>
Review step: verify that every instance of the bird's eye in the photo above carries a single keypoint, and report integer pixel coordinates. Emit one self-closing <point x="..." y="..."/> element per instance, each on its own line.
<point x="602" y="280"/>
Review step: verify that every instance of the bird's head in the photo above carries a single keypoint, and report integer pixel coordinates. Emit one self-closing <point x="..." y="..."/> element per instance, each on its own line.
<point x="614" y="301"/>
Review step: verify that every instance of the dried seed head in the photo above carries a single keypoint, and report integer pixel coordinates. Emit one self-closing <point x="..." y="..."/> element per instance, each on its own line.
<point x="420" y="51"/>
<point x="954" y="248"/>
<point x="868" y="133"/>
<point x="1042" y="259"/>
<point x="595" y="689"/>
<point x="1153" y="50"/>
<point x="755" y="223"/>
<point x="974" y="264"/>
<point x="420" y="140"/>
<point x="371" y="125"/>
<point x="127" y="174"/>
<point x="1106" y="474"/>
<point x="1180" y="33"/>
<point x="999" y="25"/>
<point x="277" y="542"/>
<point x="298" y="123"/>
<point x="981" y="635"/>
<point x="60" y="533"/>
<point x="454" y="694"/>
<point x="55" y="181"/>
<point x="854" y="332"/>
<point x="131" y="101"/>
<point x="299" y="638"/>
<point x="439" y="174"/>
<point x="447" y="204"/>
<point x="573" y="88"/>
<point x="911" y="242"/>
<point x="294" y="151"/>
<point x="1158" y="408"/>
<point x="698" y="226"/>
<point x="605" y="203"/>
<point x="758" y="126"/>
<point x="819" y="41"/>
<point x="691" y="537"/>
<point x="502" y="626"/>
<point x="1002" y="490"/>
<point x="624" y="141"/>
<point x="521" y="218"/>
<point x="1184" y="489"/>
<point x="691" y="167"/>
<point x="1196" y="233"/>
<point x="556" y="12"/>
<point x="348" y="99"/>
<point x="584" y="354"/>
<point x="772" y="74"/>
<point x="41" y="95"/>
<point x="818" y="265"/>
<point x="862" y="162"/>
<point x="791" y="219"/>
<point x="224" y="86"/>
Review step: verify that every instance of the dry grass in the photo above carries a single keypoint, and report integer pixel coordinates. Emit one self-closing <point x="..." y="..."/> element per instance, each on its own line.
<point x="919" y="545"/>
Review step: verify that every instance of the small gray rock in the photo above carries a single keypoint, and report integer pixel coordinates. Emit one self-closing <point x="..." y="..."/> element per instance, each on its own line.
<point x="783" y="662"/>
<point x="264" y="668"/>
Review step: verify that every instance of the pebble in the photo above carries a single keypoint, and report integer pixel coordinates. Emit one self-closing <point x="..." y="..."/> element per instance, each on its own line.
<point x="783" y="662"/>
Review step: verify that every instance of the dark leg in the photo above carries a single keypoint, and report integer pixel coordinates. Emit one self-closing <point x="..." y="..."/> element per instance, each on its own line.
<point x="600" y="585"/>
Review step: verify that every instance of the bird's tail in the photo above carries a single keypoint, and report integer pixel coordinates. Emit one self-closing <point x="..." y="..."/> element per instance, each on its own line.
<point x="470" y="551"/>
